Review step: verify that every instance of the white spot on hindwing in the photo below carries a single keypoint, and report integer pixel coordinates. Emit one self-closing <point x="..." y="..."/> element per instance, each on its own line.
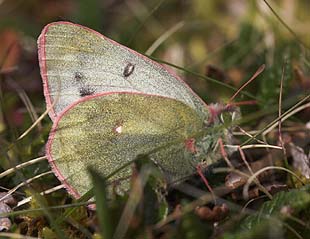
<point x="119" y="129"/>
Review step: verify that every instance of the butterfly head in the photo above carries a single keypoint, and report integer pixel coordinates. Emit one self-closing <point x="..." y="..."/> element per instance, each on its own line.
<point x="218" y="125"/>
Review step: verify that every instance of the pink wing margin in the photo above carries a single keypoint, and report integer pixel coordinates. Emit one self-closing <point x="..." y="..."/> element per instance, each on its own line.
<point x="43" y="68"/>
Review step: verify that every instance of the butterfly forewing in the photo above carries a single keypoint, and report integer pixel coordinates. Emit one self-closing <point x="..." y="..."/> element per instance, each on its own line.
<point x="76" y="62"/>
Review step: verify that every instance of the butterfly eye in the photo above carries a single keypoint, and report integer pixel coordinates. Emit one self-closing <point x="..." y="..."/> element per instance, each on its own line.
<point x="129" y="68"/>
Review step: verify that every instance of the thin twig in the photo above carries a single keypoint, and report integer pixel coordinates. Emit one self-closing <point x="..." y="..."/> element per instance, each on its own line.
<point x="257" y="182"/>
<point x="11" y="191"/>
<point x="164" y="37"/>
<point x="251" y="146"/>
<point x="22" y="165"/>
<point x="224" y="154"/>
<point x="286" y="26"/>
<point x="252" y="178"/>
<point x="16" y="236"/>
<point x="48" y="191"/>
<point x="300" y="108"/>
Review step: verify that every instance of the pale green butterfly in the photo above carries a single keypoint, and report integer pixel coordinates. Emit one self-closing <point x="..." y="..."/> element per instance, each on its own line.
<point x="110" y="104"/>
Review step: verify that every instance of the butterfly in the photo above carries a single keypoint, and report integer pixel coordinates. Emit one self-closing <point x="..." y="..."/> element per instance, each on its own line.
<point x="110" y="104"/>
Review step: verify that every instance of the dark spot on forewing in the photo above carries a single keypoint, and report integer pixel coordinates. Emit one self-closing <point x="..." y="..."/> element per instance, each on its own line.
<point x="84" y="91"/>
<point x="78" y="76"/>
<point x="128" y="70"/>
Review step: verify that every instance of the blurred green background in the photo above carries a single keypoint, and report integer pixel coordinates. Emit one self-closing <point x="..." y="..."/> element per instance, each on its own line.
<point x="226" y="41"/>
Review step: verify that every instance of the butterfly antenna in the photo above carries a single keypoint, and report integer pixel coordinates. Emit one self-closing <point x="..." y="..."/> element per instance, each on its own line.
<point x="246" y="102"/>
<point x="259" y="70"/>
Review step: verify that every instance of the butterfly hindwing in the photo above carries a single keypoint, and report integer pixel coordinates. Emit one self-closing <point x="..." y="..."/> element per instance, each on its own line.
<point x="109" y="130"/>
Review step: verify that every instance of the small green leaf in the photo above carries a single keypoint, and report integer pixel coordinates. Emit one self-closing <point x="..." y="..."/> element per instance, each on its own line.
<point x="103" y="211"/>
<point x="270" y="220"/>
<point x="151" y="199"/>
<point x="296" y="199"/>
<point x="192" y="227"/>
